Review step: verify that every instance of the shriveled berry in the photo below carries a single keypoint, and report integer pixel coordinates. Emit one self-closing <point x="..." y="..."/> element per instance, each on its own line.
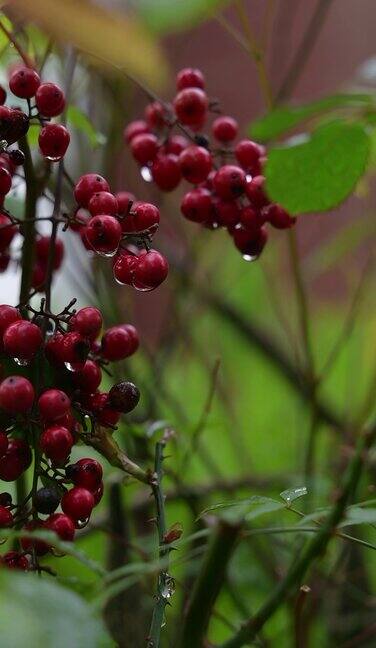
<point x="62" y="525"/>
<point x="16" y="395"/>
<point x="191" y="105"/>
<point x="87" y="186"/>
<point x="5" y="499"/>
<point x="53" y="404"/>
<point x="195" y="164"/>
<point x="103" y="202"/>
<point x="46" y="500"/>
<point x="229" y="182"/>
<point x="24" y="82"/>
<point x="53" y="141"/>
<point x="56" y="442"/>
<point x="50" y="99"/>
<point x="166" y="172"/>
<point x="190" y="78"/>
<point x="197" y="205"/>
<point x="103" y="234"/>
<point x="124" y="396"/>
<point x="16" y="460"/>
<point x="78" y="503"/>
<point x="225" y="129"/>
<point x="22" y="340"/>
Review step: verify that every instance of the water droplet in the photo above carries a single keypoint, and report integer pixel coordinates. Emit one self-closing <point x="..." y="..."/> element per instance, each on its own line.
<point x="249" y="257"/>
<point x="69" y="366"/>
<point x="248" y="177"/>
<point x="22" y="362"/>
<point x="82" y="523"/>
<point x="52" y="158"/>
<point x="168" y="588"/>
<point x="107" y="255"/>
<point x="146" y="174"/>
<point x="293" y="493"/>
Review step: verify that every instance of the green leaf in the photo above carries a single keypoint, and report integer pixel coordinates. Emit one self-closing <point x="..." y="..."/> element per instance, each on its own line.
<point x="79" y="120"/>
<point x="293" y="493"/>
<point x="163" y="16"/>
<point x="358" y="515"/>
<point x="281" y="120"/>
<point x="319" y="174"/>
<point x="247" y="509"/>
<point x="38" y="612"/>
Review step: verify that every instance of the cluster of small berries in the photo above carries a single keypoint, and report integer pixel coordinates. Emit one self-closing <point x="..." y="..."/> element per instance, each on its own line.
<point x="49" y="414"/>
<point x="228" y="182"/>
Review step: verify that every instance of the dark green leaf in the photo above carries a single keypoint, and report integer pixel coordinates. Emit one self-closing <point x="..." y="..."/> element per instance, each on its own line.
<point x="164" y="16"/>
<point x="79" y="120"/>
<point x="319" y="174"/>
<point x="281" y="120"/>
<point x="358" y="515"/>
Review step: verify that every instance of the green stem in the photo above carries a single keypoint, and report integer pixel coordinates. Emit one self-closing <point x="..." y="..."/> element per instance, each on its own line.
<point x="312" y="550"/>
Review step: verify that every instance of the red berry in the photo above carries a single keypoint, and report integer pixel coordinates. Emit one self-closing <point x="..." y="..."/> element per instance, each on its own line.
<point x="87" y="321"/>
<point x="75" y="349"/>
<point x="248" y="154"/>
<point x="134" y="339"/>
<point x="6" y="517"/>
<point x="124" y="201"/>
<point x="29" y="545"/>
<point x="225" y="129"/>
<point x="8" y="315"/>
<point x="118" y="343"/>
<point x="197" y="205"/>
<point x="53" y="141"/>
<point x="250" y="244"/>
<point x="278" y="217"/>
<point x="145" y="217"/>
<point x="7" y="232"/>
<point x="3" y="95"/>
<point x="166" y="172"/>
<point x="87" y="473"/>
<point x="43" y="247"/>
<point x="255" y="192"/>
<point x="138" y="127"/>
<point x="227" y="212"/>
<point x="124" y="267"/>
<point x="3" y="443"/>
<point x="78" y="503"/>
<point x="62" y="525"/>
<point x="22" y="340"/>
<point x="89" y="377"/>
<point x="14" y="125"/>
<point x="103" y="202"/>
<point x="144" y="148"/>
<point x="15" y="461"/>
<point x="15" y="560"/>
<point x="151" y="270"/>
<point x="175" y="144"/>
<point x="251" y="219"/>
<point x="156" y="114"/>
<point x="195" y="164"/>
<point x="5" y="181"/>
<point x="104" y="413"/>
<point x="229" y="182"/>
<point x="56" y="442"/>
<point x="104" y="234"/>
<point x="53" y="404"/>
<point x="50" y="100"/>
<point x="24" y="82"/>
<point x="39" y="275"/>
<point x="98" y="494"/>
<point x="54" y="349"/>
<point x="191" y="105"/>
<point x="190" y="78"/>
<point x="87" y="186"/>
<point x="16" y="394"/>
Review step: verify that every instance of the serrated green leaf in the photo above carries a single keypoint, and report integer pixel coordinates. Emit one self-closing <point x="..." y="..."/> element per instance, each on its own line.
<point x="282" y="120"/>
<point x="319" y="174"/>
<point x="79" y="120"/>
<point x="163" y="16"/>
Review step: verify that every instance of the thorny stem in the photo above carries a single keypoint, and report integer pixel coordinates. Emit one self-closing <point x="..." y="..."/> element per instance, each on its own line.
<point x="164" y="580"/>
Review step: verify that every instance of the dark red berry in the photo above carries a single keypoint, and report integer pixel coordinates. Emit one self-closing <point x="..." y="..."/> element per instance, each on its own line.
<point x="14" y="124"/>
<point x="87" y="321"/>
<point x="5" y="181"/>
<point x="6" y="517"/>
<point x="30" y="545"/>
<point x="145" y="217"/>
<point x="62" y="525"/>
<point x="248" y="154"/>
<point x="53" y="404"/>
<point x="191" y="105"/>
<point x="15" y="560"/>
<point x="255" y="192"/>
<point x="43" y="247"/>
<point x="89" y="377"/>
<point x="138" y="127"/>
<point x="22" y="340"/>
<point x="124" y="201"/>
<point x="86" y="473"/>
<point x="7" y="232"/>
<point x="225" y="129"/>
<point x="3" y="443"/>
<point x="227" y="212"/>
<point x="103" y="412"/>
<point x="8" y="315"/>
<point x="87" y="186"/>
<point x="278" y="217"/>
<point x="3" y="95"/>
<point x="16" y="460"/>
<point x="195" y="164"/>
<point x="16" y="395"/>
<point x="117" y="343"/>
<point x="151" y="270"/>
<point x="175" y="144"/>
<point x="190" y="78"/>
<point x="144" y="148"/>
<point x="124" y="396"/>
<point x="53" y="141"/>
<point x="98" y="494"/>
<point x="104" y="234"/>
<point x="24" y="82"/>
<point x="250" y="244"/>
<point x="197" y="205"/>
<point x="156" y="114"/>
<point x="229" y="182"/>
<point x="78" y="503"/>
<point x="56" y="442"/>
<point x="50" y="100"/>
<point x="103" y="202"/>
<point x="75" y="349"/>
<point x="251" y="219"/>
<point x="166" y="172"/>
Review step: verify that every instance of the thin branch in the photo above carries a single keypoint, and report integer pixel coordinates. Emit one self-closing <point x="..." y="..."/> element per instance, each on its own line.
<point x="26" y="59"/>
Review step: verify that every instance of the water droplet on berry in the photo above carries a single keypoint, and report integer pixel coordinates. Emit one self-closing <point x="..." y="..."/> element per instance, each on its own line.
<point x="107" y="255"/>
<point x="249" y="257"/>
<point x="82" y="523"/>
<point x="21" y="362"/>
<point x="146" y="174"/>
<point x="53" y="158"/>
<point x="69" y="366"/>
<point x="248" y="177"/>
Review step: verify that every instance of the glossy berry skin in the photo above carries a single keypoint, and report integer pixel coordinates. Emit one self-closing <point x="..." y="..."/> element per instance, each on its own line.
<point x="278" y="217"/>
<point x="195" y="164"/>
<point x="53" y="141"/>
<point x="24" y="82"/>
<point x="53" y="404"/>
<point x="87" y="186"/>
<point x="134" y="339"/>
<point x="5" y="181"/>
<point x="117" y="343"/>
<point x="229" y="182"/>
<point x="137" y="127"/>
<point x="46" y="500"/>
<point x="103" y="233"/>
<point x="175" y="144"/>
<point x="14" y="125"/>
<point x="16" y="157"/>
<point x="250" y="244"/>
<point x="197" y="205"/>
<point x="62" y="525"/>
<point x="29" y="545"/>
<point x="86" y="473"/>
<point x="7" y="232"/>
<point x="156" y="115"/>
<point x="124" y="267"/>
<point x="124" y="397"/>
<point x="3" y="443"/>
<point x="190" y="78"/>
<point x="75" y="349"/>
<point x="56" y="442"/>
<point x="124" y="201"/>
<point x="16" y="460"/>
<point x="227" y="212"/>
<point x="6" y="517"/>
<point x="248" y="154"/>
<point x="50" y="100"/>
<point x="98" y="494"/>
<point x="78" y="503"/>
<point x="16" y="395"/>
<point x="251" y="219"/>
<point x="22" y="340"/>
<point x="144" y="148"/>
<point x="255" y="192"/>
<point x="42" y="250"/>
<point x="145" y="217"/>
<point x="151" y="270"/>
<point x="166" y="172"/>
<point x="105" y="415"/>
<point x="87" y="321"/>
<point x="15" y="560"/>
<point x="225" y="129"/>
<point x="89" y="377"/>
<point x="8" y="315"/>
<point x="191" y="105"/>
<point x="103" y="202"/>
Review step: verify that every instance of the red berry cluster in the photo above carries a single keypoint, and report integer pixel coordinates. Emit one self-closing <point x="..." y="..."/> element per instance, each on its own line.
<point x="228" y="182"/>
<point x="49" y="414"/>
